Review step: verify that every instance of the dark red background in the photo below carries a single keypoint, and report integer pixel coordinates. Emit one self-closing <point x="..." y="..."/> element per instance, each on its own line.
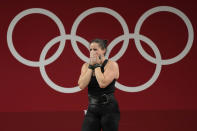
<point x="168" y="105"/>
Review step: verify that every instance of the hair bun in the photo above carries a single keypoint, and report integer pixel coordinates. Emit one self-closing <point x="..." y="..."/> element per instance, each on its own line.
<point x="105" y="41"/>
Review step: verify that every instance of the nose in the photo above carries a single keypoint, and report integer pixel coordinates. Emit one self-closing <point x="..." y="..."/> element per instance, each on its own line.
<point x="92" y="52"/>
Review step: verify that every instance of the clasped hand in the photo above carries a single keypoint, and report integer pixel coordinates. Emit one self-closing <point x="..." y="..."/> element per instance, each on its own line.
<point x="94" y="59"/>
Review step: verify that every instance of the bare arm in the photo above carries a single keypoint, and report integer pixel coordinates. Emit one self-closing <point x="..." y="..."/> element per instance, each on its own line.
<point x="85" y="76"/>
<point x="111" y="73"/>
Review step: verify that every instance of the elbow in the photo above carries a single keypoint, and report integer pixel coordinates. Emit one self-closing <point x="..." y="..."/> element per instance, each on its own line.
<point x="81" y="86"/>
<point x="102" y="85"/>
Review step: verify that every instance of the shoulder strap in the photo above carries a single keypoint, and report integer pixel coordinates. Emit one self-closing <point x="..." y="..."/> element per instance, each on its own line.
<point x="103" y="65"/>
<point x="105" y="62"/>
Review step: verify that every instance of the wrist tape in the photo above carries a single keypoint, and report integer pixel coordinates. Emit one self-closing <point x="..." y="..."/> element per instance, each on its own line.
<point x="94" y="66"/>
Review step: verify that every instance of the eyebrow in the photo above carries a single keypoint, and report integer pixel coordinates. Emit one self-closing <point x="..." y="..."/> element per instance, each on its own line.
<point x="93" y="48"/>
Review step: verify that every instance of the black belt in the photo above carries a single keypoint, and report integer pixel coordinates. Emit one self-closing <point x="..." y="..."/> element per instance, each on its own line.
<point x="103" y="99"/>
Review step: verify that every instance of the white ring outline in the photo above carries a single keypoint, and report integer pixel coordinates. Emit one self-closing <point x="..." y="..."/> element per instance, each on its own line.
<point x="15" y="21"/>
<point x="42" y="58"/>
<point x="185" y="20"/>
<point x="158" y="61"/>
<point x="100" y="10"/>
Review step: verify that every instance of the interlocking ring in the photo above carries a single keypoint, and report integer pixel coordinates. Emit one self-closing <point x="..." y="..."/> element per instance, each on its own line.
<point x="15" y="21"/>
<point x="125" y="37"/>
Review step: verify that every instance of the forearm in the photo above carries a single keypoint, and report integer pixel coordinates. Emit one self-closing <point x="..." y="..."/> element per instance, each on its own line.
<point x="85" y="79"/>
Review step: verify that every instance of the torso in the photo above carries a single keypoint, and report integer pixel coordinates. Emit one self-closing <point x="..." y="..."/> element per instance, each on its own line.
<point x="93" y="86"/>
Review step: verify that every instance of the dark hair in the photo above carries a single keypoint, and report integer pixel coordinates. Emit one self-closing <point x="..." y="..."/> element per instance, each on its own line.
<point x="102" y="43"/>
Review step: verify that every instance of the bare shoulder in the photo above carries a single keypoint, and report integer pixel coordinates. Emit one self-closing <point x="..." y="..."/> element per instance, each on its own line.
<point x="112" y="64"/>
<point x="85" y="65"/>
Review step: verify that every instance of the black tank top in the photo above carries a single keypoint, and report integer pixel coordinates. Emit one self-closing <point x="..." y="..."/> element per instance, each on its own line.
<point x="94" y="88"/>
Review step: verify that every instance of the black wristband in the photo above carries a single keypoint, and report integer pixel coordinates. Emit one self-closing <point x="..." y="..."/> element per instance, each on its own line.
<point x="96" y="65"/>
<point x="91" y="67"/>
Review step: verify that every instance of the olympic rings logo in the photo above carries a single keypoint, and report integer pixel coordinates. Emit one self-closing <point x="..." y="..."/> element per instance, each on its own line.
<point x="125" y="37"/>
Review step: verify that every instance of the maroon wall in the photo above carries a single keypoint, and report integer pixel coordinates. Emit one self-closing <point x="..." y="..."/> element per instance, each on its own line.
<point x="27" y="102"/>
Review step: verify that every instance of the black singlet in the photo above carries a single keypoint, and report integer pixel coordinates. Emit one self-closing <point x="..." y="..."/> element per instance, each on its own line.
<point x="94" y="88"/>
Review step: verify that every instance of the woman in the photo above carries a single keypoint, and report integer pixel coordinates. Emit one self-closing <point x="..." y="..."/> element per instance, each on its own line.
<point x="99" y="75"/>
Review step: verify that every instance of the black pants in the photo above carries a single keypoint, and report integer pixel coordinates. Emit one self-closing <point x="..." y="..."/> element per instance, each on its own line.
<point x="105" y="117"/>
